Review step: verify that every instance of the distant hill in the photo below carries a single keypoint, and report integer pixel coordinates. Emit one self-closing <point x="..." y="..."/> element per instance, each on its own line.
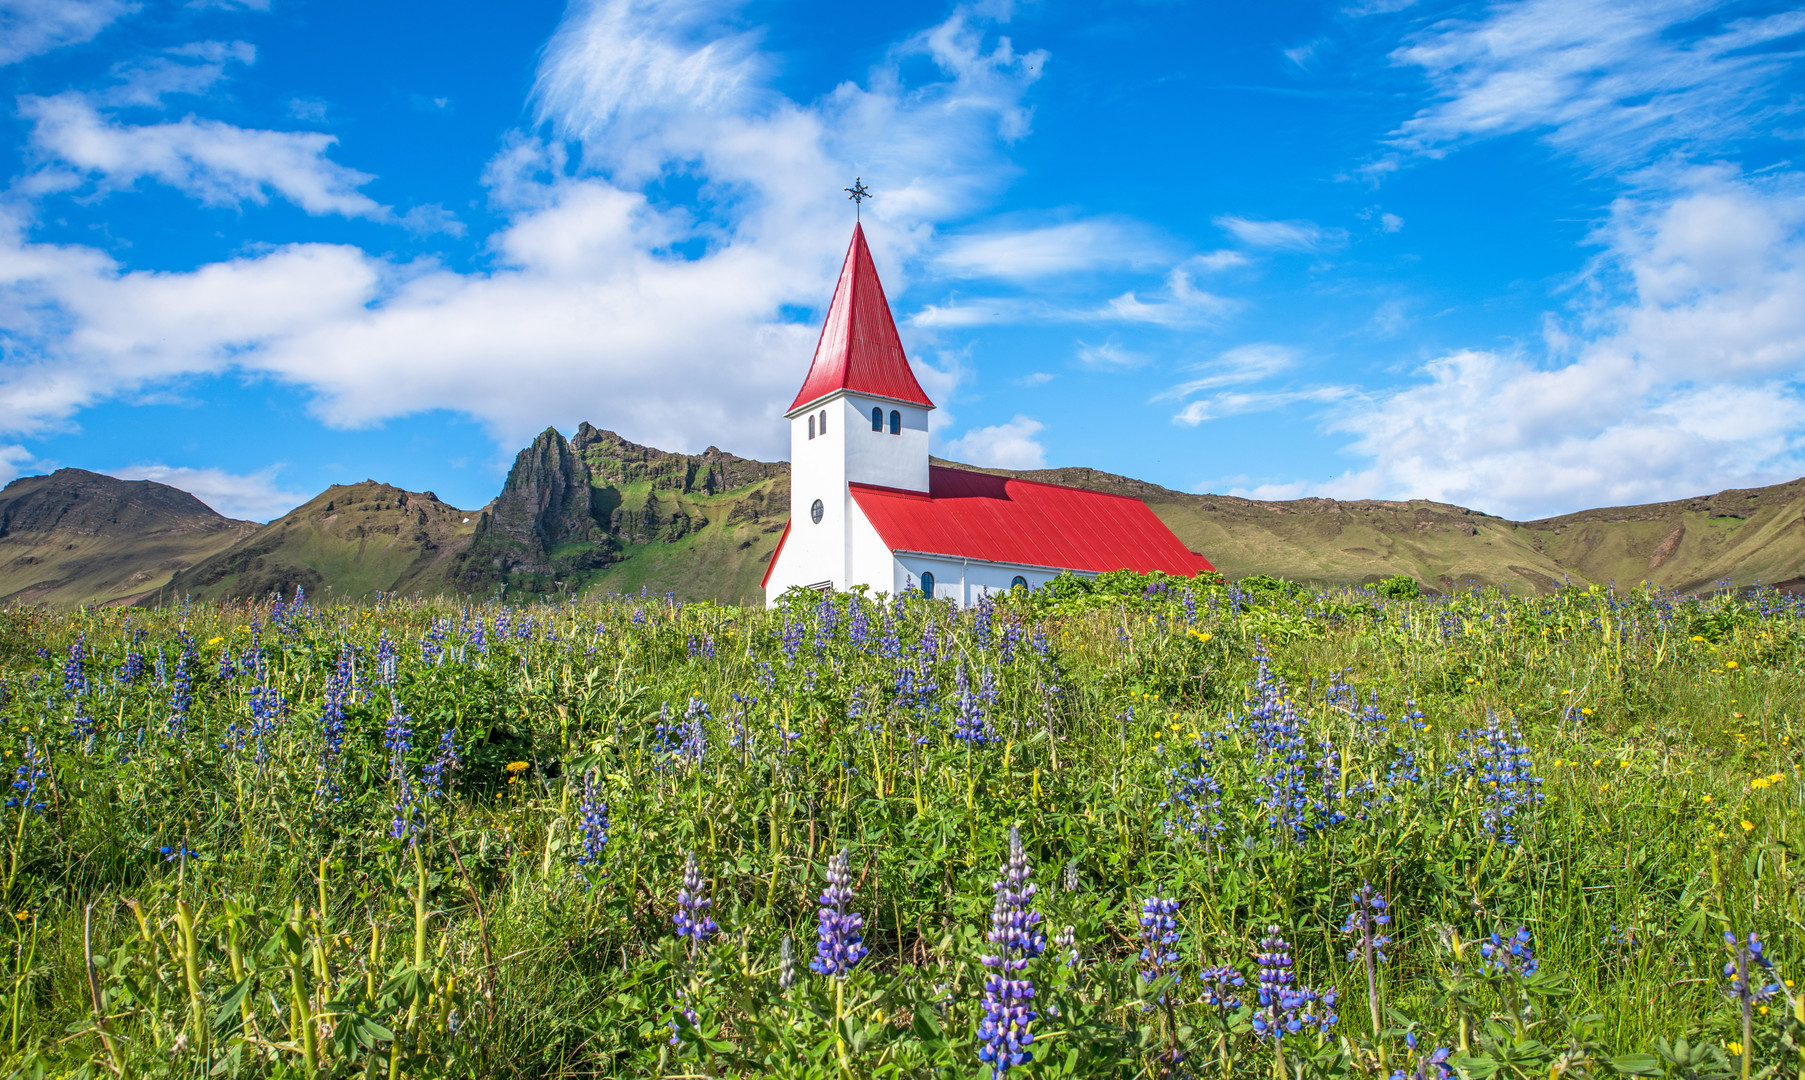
<point x="78" y="537"/>
<point x="596" y="512"/>
<point x="350" y="541"/>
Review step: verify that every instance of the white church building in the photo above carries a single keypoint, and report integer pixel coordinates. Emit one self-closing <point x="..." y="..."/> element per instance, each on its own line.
<point x="867" y="508"/>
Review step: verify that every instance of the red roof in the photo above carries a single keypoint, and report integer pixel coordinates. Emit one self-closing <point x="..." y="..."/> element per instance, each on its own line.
<point x="969" y="515"/>
<point x="859" y="348"/>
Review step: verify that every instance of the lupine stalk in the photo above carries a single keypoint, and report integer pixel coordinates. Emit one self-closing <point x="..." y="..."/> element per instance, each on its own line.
<point x="1006" y="1032"/>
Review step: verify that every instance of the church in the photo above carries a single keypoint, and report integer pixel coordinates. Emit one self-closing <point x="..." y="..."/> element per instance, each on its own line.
<point x="868" y="508"/>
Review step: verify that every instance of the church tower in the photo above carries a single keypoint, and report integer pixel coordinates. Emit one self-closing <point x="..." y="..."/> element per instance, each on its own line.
<point x="860" y="418"/>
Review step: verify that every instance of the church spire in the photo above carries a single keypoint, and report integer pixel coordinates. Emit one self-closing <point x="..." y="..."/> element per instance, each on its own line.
<point x="859" y="350"/>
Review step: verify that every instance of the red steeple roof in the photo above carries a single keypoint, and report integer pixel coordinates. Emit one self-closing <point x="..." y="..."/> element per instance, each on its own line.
<point x="859" y="348"/>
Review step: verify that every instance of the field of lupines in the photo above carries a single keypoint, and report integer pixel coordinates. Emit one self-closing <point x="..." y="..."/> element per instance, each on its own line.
<point x="1144" y="827"/>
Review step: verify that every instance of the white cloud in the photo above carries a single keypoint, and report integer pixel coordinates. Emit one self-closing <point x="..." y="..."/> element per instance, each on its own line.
<point x="14" y="461"/>
<point x="1183" y="304"/>
<point x="1003" y="446"/>
<point x="586" y="313"/>
<point x="1223" y="259"/>
<point x="31" y="27"/>
<point x="1108" y="355"/>
<point x="247" y="496"/>
<point x="1285" y="235"/>
<point x="1685" y="383"/>
<point x="1235" y="367"/>
<point x="1054" y="249"/>
<point x="187" y="69"/>
<point x="1038" y="378"/>
<point x="1611" y="83"/>
<point x="217" y="163"/>
<point x="1237" y="402"/>
<point x="1390" y="222"/>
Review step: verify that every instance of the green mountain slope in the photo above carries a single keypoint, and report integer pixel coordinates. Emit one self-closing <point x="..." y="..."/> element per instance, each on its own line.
<point x="350" y="541"/>
<point x="77" y="537"/>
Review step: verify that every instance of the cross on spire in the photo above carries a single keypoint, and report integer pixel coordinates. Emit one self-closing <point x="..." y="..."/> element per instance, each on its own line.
<point x="858" y="193"/>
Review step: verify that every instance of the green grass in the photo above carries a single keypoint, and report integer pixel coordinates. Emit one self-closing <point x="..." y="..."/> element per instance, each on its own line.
<point x="1128" y="736"/>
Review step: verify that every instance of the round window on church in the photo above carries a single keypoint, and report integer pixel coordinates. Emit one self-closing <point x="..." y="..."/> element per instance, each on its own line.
<point x="816" y="511"/>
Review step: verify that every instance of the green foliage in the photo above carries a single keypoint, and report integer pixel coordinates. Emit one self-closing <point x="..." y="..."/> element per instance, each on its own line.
<point x="1399" y="587"/>
<point x="267" y="883"/>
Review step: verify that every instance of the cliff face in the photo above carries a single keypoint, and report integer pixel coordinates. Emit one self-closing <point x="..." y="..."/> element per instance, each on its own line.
<point x="574" y="512"/>
<point x="80" y="537"/>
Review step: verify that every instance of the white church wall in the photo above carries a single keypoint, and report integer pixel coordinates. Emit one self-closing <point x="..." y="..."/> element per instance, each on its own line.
<point x="868" y="559"/>
<point x="878" y="457"/>
<point x="814" y="552"/>
<point x="963" y="581"/>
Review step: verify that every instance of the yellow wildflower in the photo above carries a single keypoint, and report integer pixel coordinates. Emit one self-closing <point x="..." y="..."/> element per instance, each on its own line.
<point x="1735" y="1048"/>
<point x="1585" y="712"/>
<point x="215" y="640"/>
<point x="1731" y="664"/>
<point x="516" y="766"/>
<point x="1748" y="826"/>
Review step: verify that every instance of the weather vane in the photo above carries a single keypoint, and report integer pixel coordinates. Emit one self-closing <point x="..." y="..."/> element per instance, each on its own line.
<point x="858" y="193"/>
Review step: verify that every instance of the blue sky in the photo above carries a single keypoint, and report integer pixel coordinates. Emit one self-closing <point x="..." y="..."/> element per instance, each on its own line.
<point x="1525" y="256"/>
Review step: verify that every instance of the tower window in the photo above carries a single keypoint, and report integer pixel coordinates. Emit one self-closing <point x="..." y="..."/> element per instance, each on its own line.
<point x="895" y="422"/>
<point x="811" y="426"/>
<point x="823" y="421"/>
<point x="877" y="420"/>
<point x="1018" y="582"/>
<point x="927" y="580"/>
<point x="816" y="511"/>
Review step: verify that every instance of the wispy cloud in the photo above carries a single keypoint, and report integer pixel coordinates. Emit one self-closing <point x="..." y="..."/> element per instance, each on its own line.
<point x="191" y="69"/>
<point x="255" y="496"/>
<point x="216" y="163"/>
<point x="1049" y="250"/>
<point x="1235" y="367"/>
<point x="1235" y="403"/>
<point x="31" y="27"/>
<point x="1611" y="83"/>
<point x="1284" y="235"/>
<point x="1179" y="304"/>
<point x="1108" y="354"/>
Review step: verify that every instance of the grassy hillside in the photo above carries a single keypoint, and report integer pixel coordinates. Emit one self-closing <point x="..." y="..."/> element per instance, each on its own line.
<point x="76" y="537"/>
<point x="351" y="541"/>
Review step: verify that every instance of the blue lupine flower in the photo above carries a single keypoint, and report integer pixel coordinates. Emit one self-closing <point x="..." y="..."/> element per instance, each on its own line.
<point x="982" y="616"/>
<point x="1222" y="984"/>
<point x="1286" y="1008"/>
<point x="133" y="668"/>
<point x="81" y="726"/>
<point x="177" y="852"/>
<point x="75" y="669"/>
<point x="332" y="726"/>
<point x="1432" y="1066"/>
<point x="695" y="733"/>
<point x="444" y="764"/>
<point x="268" y="710"/>
<point x="970" y="724"/>
<point x="1748" y="986"/>
<point x="398" y="737"/>
<point x="1193" y="798"/>
<point x="1008" y="993"/>
<point x="1159" y="935"/>
<point x="693" y="903"/>
<point x="1369" y="913"/>
<point x="592" y="831"/>
<point x="1300" y="792"/>
<point x="1508" y="786"/>
<point x="26" y="778"/>
<point x="1512" y="957"/>
<point x="385" y="658"/>
<point x="181" y="696"/>
<point x="841" y="942"/>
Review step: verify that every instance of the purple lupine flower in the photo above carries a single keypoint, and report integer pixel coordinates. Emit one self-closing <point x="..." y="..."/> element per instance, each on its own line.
<point x="177" y="852"/>
<point x="1512" y="957"/>
<point x="181" y="696"/>
<point x="1159" y="933"/>
<point x="133" y="667"/>
<point x="1370" y="911"/>
<point x="332" y="726"/>
<point x="969" y="724"/>
<point x="1006" y="1032"/>
<point x="1222" y="984"/>
<point x="81" y="726"/>
<point x="444" y="764"/>
<point x="1431" y="1066"/>
<point x="75" y="668"/>
<point x="385" y="659"/>
<point x="1066" y="941"/>
<point x="398" y="737"/>
<point x="1746" y="985"/>
<point x="983" y="614"/>
<point x="841" y="942"/>
<point x="1285" y="1007"/>
<point x="592" y="832"/>
<point x="691" y="917"/>
<point x="1501" y="763"/>
<point x="268" y="710"/>
<point x="26" y="778"/>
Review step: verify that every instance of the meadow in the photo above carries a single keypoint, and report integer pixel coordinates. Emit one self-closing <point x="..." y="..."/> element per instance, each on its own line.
<point x="1136" y="827"/>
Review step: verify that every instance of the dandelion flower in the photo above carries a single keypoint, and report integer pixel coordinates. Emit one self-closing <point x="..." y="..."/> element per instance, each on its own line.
<point x="1730" y="664"/>
<point x="1748" y="826"/>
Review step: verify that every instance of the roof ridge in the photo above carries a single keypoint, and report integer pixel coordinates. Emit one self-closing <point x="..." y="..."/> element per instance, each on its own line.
<point x="1037" y="483"/>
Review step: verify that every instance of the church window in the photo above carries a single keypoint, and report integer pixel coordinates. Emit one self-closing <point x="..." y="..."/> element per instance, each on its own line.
<point x="877" y="419"/>
<point x="927" y="580"/>
<point x="811" y="426"/>
<point x="1018" y="582"/>
<point x="895" y="422"/>
<point x="816" y="511"/>
<point x="823" y="421"/>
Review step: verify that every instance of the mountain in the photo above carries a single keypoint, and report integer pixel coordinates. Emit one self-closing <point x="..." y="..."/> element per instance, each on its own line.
<point x="1740" y="536"/>
<point x="77" y="537"/>
<point x="352" y="540"/>
<point x="599" y="512"/>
